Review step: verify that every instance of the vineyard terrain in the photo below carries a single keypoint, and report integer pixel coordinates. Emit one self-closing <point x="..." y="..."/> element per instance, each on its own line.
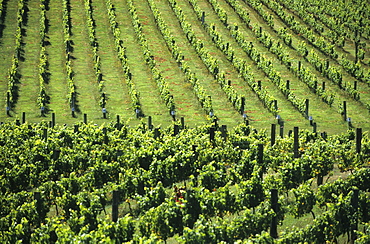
<point x="259" y="59"/>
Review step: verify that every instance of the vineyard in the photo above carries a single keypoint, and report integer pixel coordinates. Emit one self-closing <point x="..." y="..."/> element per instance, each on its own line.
<point x="116" y="183"/>
<point x="197" y="59"/>
<point x="185" y="121"/>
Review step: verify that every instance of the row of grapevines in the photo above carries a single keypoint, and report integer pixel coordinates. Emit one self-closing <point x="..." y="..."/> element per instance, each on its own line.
<point x="121" y="53"/>
<point x="258" y="7"/>
<point x="204" y="99"/>
<point x="94" y="46"/>
<point x="43" y="98"/>
<point x="239" y="64"/>
<point x="296" y="27"/>
<point x="313" y="17"/>
<point x="267" y="67"/>
<point x="303" y="73"/>
<point x="68" y="42"/>
<point x="162" y="85"/>
<point x="262" y="62"/>
<point x="318" y="41"/>
<point x="92" y="161"/>
<point x="340" y="215"/>
<point x="338" y="23"/>
<point x="275" y="48"/>
<point x="236" y="99"/>
<point x="13" y="72"/>
<point x="262" y="94"/>
<point x="332" y="73"/>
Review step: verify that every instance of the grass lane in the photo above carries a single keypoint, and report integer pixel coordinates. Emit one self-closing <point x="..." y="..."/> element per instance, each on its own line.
<point x="118" y="99"/>
<point x="254" y="108"/>
<point x="57" y="88"/>
<point x="152" y="104"/>
<point x="286" y="110"/>
<point x="226" y="113"/>
<point x="28" y="67"/>
<point x="332" y="121"/>
<point x="7" y="43"/>
<point x="186" y="103"/>
<point x="84" y="78"/>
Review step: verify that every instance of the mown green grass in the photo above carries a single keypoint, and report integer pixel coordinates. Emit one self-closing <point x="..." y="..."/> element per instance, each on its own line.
<point x="186" y="103"/>
<point x="331" y="121"/>
<point x="223" y="108"/>
<point x="7" y="44"/>
<point x="29" y="82"/>
<point x="152" y="103"/>
<point x="328" y="119"/>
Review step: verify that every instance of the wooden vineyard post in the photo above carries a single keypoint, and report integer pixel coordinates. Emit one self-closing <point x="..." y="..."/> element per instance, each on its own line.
<point x="115" y="204"/>
<point x="157" y="133"/>
<point x="260" y="158"/>
<point x="288" y="84"/>
<point x="150" y="125"/>
<point x="23" y="117"/>
<point x="104" y="111"/>
<point x="323" y="86"/>
<point x="73" y="104"/>
<point x="314" y="127"/>
<point x="105" y="135"/>
<point x="273" y="134"/>
<point x="279" y="120"/>
<point x="275" y="105"/>
<point x="358" y="140"/>
<point x="118" y="125"/>
<point x="212" y="134"/>
<point x="175" y="129"/>
<point x="242" y="107"/>
<point x="274" y="206"/>
<point x="345" y="110"/>
<point x="52" y="120"/>
<point x="307" y="102"/>
<point x="85" y="119"/>
<point x="349" y="121"/>
<point x="311" y="120"/>
<point x="224" y="132"/>
<point x="299" y="65"/>
<point x="45" y="134"/>
<point x="282" y="129"/>
<point x="182" y="120"/>
<point x="37" y="197"/>
<point x="296" y="142"/>
<point x="355" y="85"/>
<point x="203" y="18"/>
<point x="8" y="104"/>
<point x="354" y="226"/>
<point x="173" y="115"/>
